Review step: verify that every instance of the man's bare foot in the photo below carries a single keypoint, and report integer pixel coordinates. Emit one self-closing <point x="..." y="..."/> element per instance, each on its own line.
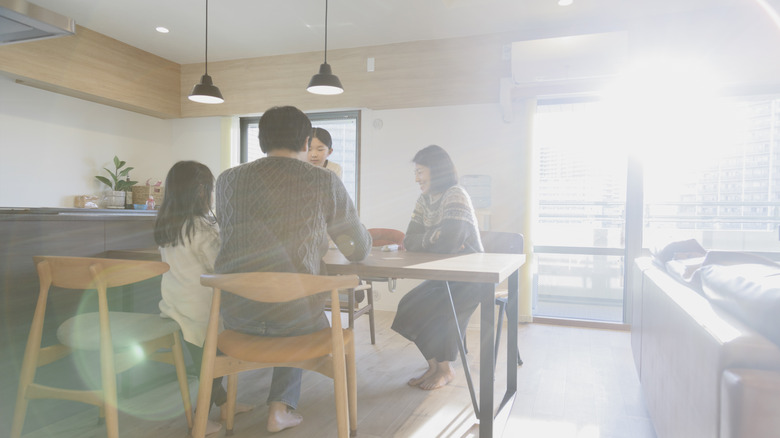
<point x="415" y="381"/>
<point x="280" y="417"/>
<point x="443" y="375"/>
<point x="239" y="409"/>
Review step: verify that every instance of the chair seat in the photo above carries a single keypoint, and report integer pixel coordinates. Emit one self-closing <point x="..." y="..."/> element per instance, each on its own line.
<point x="267" y="349"/>
<point x="127" y="329"/>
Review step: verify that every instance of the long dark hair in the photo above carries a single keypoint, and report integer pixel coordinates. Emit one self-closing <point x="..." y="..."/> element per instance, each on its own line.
<point x="443" y="173"/>
<point x="188" y="188"/>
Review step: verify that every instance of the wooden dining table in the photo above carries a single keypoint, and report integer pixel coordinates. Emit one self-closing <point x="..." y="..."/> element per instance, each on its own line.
<point x="476" y="268"/>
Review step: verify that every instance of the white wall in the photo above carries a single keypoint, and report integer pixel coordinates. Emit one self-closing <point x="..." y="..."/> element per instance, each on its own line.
<point x="477" y="139"/>
<point x="52" y="146"/>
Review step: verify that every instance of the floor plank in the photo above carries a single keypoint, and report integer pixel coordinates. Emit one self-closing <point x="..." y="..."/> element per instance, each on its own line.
<point x="575" y="383"/>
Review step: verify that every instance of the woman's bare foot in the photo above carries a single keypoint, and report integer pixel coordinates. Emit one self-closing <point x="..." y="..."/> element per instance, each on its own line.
<point x="239" y="409"/>
<point x="280" y="417"/>
<point x="443" y="375"/>
<point x="415" y="381"/>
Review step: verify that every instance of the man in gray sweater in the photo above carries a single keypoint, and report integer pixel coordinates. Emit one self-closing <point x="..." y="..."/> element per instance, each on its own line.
<point x="275" y="215"/>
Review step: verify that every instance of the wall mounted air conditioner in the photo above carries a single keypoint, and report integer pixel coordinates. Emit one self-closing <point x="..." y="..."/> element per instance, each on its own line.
<point x="569" y="58"/>
<point x="22" y="21"/>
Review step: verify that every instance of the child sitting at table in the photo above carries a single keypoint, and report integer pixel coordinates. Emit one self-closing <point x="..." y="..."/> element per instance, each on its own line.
<point x="320" y="148"/>
<point x="188" y="238"/>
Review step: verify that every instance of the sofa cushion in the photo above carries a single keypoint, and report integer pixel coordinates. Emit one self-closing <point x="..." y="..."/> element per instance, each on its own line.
<point x="750" y="292"/>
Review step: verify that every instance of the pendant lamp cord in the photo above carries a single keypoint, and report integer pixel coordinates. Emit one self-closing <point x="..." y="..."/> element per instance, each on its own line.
<point x="207" y="37"/>
<point x="326" y="31"/>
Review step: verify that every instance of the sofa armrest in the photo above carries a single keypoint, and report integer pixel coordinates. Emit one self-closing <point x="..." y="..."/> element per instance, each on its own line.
<point x="750" y="403"/>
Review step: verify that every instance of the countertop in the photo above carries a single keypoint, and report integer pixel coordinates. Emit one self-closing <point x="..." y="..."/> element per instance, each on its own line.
<point x="49" y="213"/>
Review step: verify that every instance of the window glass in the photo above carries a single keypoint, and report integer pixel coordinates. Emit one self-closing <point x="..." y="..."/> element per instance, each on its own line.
<point x="343" y="127"/>
<point x="727" y="196"/>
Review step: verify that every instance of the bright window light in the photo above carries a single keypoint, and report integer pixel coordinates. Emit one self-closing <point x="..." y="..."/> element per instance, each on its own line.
<point x="162" y="29"/>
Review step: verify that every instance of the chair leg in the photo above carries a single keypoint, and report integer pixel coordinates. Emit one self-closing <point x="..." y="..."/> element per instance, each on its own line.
<point x="232" y="391"/>
<point x="501" y="311"/>
<point x="204" y="399"/>
<point x="351" y="308"/>
<point x="352" y="388"/>
<point x="341" y="397"/>
<point x="181" y="376"/>
<point x="110" y="399"/>
<point x="370" y="299"/>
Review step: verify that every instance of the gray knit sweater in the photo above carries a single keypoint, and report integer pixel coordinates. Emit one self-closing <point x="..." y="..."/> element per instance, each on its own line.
<point x="275" y="215"/>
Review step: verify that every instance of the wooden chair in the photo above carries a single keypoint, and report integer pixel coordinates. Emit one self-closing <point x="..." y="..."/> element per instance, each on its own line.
<point x="502" y="243"/>
<point x="351" y="306"/>
<point x="330" y="351"/>
<point x="116" y="335"/>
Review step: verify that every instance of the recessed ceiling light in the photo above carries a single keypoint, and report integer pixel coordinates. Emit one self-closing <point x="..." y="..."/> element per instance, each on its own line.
<point x="162" y="29"/>
<point x="565" y="2"/>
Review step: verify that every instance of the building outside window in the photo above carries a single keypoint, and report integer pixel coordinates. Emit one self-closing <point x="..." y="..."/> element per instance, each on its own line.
<point x="722" y="190"/>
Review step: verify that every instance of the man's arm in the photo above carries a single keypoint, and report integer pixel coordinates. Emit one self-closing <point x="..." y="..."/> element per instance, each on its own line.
<point x="346" y="230"/>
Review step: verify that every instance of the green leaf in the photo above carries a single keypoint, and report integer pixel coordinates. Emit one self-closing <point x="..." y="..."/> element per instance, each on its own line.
<point x="104" y="180"/>
<point x="117" y="162"/>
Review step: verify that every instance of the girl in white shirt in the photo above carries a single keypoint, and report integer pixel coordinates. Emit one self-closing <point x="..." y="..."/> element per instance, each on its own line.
<point x="188" y="238"/>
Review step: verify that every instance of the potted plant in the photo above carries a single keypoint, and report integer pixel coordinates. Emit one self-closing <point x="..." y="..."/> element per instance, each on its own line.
<point x="119" y="183"/>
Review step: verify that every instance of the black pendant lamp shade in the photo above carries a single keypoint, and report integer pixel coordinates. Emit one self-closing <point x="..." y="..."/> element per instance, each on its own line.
<point x="325" y="82"/>
<point x="206" y="91"/>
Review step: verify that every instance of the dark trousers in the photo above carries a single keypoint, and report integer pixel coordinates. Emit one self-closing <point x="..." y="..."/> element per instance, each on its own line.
<point x="218" y="393"/>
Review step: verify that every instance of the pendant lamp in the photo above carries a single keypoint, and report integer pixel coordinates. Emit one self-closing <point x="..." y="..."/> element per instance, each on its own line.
<point x="325" y="82"/>
<point x="206" y="91"/>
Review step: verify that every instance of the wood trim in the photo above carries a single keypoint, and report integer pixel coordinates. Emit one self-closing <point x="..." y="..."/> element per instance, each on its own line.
<point x="407" y="75"/>
<point x="97" y="68"/>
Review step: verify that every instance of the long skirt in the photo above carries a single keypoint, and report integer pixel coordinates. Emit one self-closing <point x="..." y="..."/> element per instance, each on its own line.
<point x="425" y="316"/>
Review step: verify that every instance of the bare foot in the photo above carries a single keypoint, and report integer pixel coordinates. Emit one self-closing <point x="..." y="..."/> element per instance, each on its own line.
<point x="443" y="375"/>
<point x="239" y="409"/>
<point x="280" y="417"/>
<point x="415" y="381"/>
<point x="212" y="427"/>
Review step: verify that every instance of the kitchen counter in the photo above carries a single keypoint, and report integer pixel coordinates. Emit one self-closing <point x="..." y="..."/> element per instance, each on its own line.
<point x="55" y="214"/>
<point x="27" y="232"/>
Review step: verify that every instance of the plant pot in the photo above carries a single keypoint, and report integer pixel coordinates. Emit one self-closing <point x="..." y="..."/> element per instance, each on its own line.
<point x="115" y="199"/>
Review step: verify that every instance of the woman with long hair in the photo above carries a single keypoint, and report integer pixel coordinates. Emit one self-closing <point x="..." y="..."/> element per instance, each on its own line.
<point x="443" y="221"/>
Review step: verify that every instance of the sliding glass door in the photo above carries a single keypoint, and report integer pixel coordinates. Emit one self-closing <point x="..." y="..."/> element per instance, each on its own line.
<point x="579" y="237"/>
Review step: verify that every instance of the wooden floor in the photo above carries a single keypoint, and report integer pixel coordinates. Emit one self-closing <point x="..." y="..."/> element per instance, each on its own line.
<point x="575" y="382"/>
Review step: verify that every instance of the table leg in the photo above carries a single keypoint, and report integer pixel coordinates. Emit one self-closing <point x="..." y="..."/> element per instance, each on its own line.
<point x="462" y="349"/>
<point x="487" y="334"/>
<point x="512" y="352"/>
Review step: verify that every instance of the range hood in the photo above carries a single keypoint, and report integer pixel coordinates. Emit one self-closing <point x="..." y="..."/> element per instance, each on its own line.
<point x="22" y="21"/>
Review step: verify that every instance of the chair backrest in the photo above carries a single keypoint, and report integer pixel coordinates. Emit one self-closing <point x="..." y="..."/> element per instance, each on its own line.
<point x="85" y="272"/>
<point x="277" y="287"/>
<point x="387" y="236"/>
<point x="502" y="242"/>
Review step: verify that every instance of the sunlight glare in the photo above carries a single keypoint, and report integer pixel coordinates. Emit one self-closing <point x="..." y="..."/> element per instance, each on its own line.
<point x="669" y="113"/>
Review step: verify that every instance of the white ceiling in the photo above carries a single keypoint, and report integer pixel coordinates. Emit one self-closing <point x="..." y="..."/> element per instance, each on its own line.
<point x="254" y="28"/>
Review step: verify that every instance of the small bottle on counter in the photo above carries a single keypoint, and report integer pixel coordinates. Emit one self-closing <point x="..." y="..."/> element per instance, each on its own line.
<point x="128" y="196"/>
<point x="150" y="202"/>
